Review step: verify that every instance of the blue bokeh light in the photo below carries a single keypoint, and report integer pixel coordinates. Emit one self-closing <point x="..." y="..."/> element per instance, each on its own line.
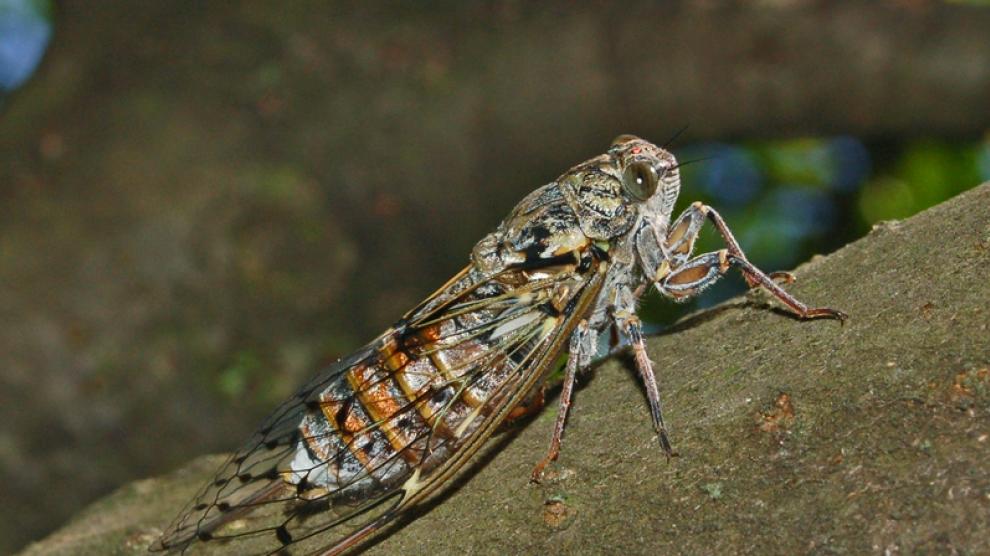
<point x="803" y="212"/>
<point x="25" y="29"/>
<point x="730" y="175"/>
<point x="851" y="163"/>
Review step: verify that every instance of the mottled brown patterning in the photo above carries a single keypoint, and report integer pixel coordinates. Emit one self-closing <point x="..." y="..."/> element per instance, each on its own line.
<point x="380" y="430"/>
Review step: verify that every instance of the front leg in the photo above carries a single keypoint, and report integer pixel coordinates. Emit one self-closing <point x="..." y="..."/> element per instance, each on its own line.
<point x="684" y="278"/>
<point x="631" y="326"/>
<point x="684" y="233"/>
<point x="583" y="346"/>
<point x="623" y="313"/>
<point x="704" y="270"/>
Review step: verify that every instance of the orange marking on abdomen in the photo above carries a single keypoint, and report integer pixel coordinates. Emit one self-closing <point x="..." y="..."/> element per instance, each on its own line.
<point x="422" y="337"/>
<point x="383" y="401"/>
<point x="416" y="380"/>
<point x="427" y="340"/>
<point x="466" y="396"/>
<point x="341" y="416"/>
<point x="395" y="361"/>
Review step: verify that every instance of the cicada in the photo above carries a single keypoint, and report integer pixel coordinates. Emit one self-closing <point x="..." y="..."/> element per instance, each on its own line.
<point x="382" y="429"/>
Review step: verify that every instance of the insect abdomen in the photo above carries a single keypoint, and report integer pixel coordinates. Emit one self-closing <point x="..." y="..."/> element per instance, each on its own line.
<point x="388" y="415"/>
<point x="426" y="386"/>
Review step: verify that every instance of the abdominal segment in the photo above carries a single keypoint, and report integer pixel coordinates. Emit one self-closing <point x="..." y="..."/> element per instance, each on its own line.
<point x="408" y="405"/>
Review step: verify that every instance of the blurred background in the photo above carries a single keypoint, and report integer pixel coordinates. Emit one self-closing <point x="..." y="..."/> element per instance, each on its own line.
<point x="201" y="203"/>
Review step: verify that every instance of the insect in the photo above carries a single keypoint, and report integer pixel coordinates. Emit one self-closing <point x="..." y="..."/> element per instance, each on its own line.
<point x="382" y="429"/>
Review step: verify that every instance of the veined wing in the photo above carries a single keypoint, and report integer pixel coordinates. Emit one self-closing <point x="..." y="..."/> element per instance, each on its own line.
<point x="380" y="430"/>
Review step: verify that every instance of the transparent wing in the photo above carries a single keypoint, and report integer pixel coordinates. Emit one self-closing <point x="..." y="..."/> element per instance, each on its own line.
<point x="381" y="429"/>
<point x="249" y="498"/>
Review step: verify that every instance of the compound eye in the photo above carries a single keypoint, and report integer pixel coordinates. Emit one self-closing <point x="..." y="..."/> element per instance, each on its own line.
<point x="640" y="180"/>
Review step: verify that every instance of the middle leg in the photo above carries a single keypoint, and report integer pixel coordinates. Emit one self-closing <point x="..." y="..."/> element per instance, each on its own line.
<point x="583" y="345"/>
<point x="633" y="329"/>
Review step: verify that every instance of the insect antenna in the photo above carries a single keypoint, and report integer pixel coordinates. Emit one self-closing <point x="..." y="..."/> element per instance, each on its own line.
<point x="692" y="161"/>
<point x="674" y="137"/>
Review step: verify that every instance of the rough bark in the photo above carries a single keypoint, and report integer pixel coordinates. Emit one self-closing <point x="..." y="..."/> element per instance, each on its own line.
<point x="794" y="437"/>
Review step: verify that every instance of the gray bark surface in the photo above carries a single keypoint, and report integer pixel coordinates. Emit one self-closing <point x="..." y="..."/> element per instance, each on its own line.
<point x="794" y="437"/>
